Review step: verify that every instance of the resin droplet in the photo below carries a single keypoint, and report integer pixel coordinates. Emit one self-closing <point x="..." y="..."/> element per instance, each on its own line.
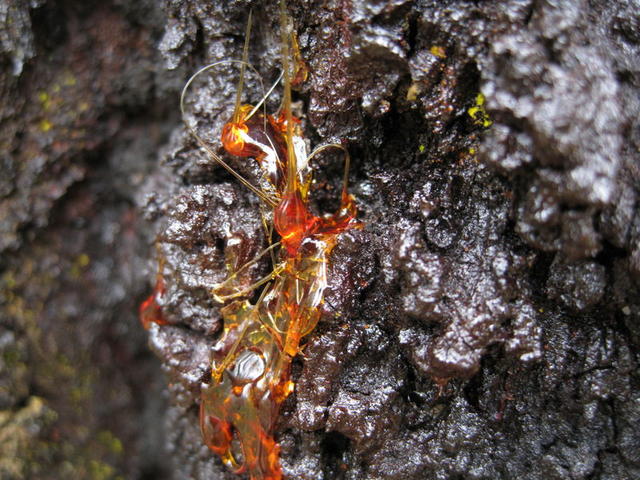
<point x="293" y="222"/>
<point x="150" y="310"/>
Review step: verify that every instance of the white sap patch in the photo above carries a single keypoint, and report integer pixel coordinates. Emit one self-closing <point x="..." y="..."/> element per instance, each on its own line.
<point x="300" y="151"/>
<point x="269" y="163"/>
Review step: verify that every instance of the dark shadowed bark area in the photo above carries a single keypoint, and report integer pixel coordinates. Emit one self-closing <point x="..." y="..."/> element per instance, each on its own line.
<point x="484" y="324"/>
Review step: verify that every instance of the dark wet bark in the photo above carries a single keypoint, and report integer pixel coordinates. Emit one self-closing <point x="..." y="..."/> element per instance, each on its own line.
<point x="484" y="324"/>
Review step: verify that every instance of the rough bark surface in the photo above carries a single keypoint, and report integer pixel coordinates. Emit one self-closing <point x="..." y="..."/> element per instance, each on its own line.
<point x="484" y="324"/>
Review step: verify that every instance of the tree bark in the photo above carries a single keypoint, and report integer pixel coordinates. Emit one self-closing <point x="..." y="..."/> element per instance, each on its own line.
<point x="485" y="322"/>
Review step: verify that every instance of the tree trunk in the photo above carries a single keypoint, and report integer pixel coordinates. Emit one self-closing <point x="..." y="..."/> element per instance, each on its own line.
<point x="483" y="324"/>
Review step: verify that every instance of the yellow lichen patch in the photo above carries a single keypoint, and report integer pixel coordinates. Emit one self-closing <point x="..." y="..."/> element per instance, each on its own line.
<point x="45" y="125"/>
<point x="413" y="92"/>
<point x="111" y="442"/>
<point x="100" y="470"/>
<point x="69" y="80"/>
<point x="422" y="149"/>
<point x="81" y="390"/>
<point x="51" y="99"/>
<point x="438" y="51"/>
<point x="18" y="436"/>
<point x="79" y="264"/>
<point x="479" y="114"/>
<point x="38" y="360"/>
<point x="9" y="280"/>
<point x="44" y="99"/>
<point x="18" y="308"/>
<point x="83" y="260"/>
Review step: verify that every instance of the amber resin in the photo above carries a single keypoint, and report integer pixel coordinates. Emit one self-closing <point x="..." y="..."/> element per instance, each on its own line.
<point x="251" y="362"/>
<point x="150" y="310"/>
